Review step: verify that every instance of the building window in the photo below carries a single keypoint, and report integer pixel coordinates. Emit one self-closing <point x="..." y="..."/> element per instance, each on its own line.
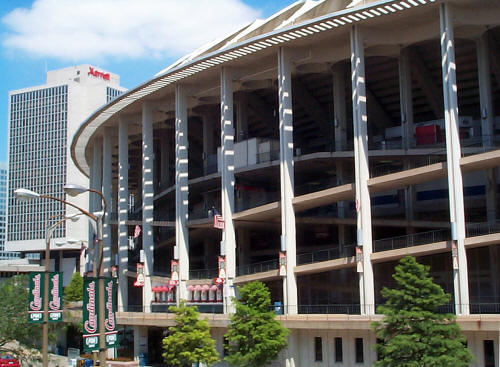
<point x="338" y="350"/>
<point x="359" y="350"/>
<point x="489" y="353"/>
<point x="318" y="349"/>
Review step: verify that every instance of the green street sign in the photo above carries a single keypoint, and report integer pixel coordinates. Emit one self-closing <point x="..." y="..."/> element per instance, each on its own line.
<point x="35" y="304"/>
<point x="90" y="314"/>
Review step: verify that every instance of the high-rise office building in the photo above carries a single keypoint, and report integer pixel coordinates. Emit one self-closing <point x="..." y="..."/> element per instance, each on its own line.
<point x="42" y="120"/>
<point x="3" y="206"/>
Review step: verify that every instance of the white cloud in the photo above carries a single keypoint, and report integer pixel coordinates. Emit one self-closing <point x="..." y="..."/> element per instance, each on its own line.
<point x="83" y="29"/>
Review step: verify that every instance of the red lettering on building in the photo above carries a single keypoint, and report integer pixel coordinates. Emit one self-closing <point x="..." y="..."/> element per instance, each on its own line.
<point x="98" y="74"/>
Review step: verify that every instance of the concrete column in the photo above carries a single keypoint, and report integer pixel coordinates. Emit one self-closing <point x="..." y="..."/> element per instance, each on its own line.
<point x="491" y="194"/>
<point x="410" y="200"/>
<point x="341" y="205"/>
<point x="227" y="183"/>
<point x="340" y="125"/>
<point x="181" y="190"/>
<point x="140" y="341"/>
<point x="287" y="179"/>
<point x="244" y="249"/>
<point x="147" y="201"/>
<point x="164" y="159"/>
<point x="292" y="352"/>
<point x="494" y="257"/>
<point x="107" y="178"/>
<point x="487" y="112"/>
<point x="208" y="253"/>
<point x="123" y="213"/>
<point x="242" y="118"/>
<point x="455" y="185"/>
<point x="405" y="98"/>
<point x="364" y="225"/>
<point x="208" y="138"/>
<point x="339" y="110"/>
<point x="96" y="182"/>
<point x="95" y="204"/>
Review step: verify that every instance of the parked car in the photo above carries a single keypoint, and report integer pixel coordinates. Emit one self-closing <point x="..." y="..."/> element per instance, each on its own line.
<point x="8" y="361"/>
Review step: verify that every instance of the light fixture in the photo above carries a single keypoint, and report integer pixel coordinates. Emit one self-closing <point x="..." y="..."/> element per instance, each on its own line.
<point x="25" y="194"/>
<point x="74" y="190"/>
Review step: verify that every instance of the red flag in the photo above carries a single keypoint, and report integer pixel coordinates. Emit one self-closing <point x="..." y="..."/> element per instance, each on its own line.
<point x="137" y="231"/>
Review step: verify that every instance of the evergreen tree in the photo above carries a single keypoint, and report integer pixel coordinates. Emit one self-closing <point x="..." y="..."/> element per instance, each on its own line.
<point x="189" y="341"/>
<point x="254" y="335"/>
<point x="74" y="290"/>
<point x="413" y="333"/>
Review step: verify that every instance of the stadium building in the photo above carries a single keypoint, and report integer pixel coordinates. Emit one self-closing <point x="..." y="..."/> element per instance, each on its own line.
<point x="325" y="142"/>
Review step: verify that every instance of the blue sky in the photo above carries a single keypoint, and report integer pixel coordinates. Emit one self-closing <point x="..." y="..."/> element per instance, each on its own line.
<point x="135" y="39"/>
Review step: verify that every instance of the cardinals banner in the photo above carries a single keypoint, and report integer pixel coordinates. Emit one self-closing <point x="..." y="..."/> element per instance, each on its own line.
<point x="55" y="297"/>
<point x="90" y="315"/>
<point x="110" y="294"/>
<point x="36" y="292"/>
<point x="35" y="304"/>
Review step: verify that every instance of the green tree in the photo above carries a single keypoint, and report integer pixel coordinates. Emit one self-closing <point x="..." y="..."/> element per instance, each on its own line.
<point x="74" y="290"/>
<point x="412" y="332"/>
<point x="254" y="335"/>
<point x="189" y="341"/>
<point x="16" y="334"/>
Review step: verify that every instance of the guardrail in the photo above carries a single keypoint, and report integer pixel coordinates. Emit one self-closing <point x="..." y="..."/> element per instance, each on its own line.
<point x="257" y="267"/>
<point x="308" y="309"/>
<point x="325" y="255"/>
<point x="203" y="273"/>
<point x="410" y="240"/>
<point x="480" y="229"/>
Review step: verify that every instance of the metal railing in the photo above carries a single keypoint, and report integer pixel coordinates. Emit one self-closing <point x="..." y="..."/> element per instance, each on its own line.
<point x="482" y="144"/>
<point x="257" y="267"/>
<point x="203" y="273"/>
<point x="325" y="255"/>
<point x="198" y="214"/>
<point x="161" y="271"/>
<point x="164" y="215"/>
<point x="349" y="309"/>
<point x="315" y="185"/>
<point x="263" y="199"/>
<point x="386" y="144"/>
<point x="385" y="169"/>
<point x="484" y="308"/>
<point x="270" y="156"/>
<point x="410" y="240"/>
<point x="308" y="309"/>
<point x="480" y="229"/>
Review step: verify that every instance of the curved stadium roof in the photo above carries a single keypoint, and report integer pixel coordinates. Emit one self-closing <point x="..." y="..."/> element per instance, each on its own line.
<point x="300" y="20"/>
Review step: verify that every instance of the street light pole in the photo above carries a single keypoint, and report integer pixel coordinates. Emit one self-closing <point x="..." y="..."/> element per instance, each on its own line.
<point x="45" y="327"/>
<point x="74" y="190"/>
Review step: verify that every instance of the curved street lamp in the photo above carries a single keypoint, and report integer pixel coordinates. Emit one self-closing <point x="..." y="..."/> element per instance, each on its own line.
<point x="73" y="190"/>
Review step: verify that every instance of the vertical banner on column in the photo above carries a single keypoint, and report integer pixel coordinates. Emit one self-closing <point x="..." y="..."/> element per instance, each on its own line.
<point x="35" y="305"/>
<point x="110" y="294"/>
<point x="90" y="315"/>
<point x="55" y="301"/>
